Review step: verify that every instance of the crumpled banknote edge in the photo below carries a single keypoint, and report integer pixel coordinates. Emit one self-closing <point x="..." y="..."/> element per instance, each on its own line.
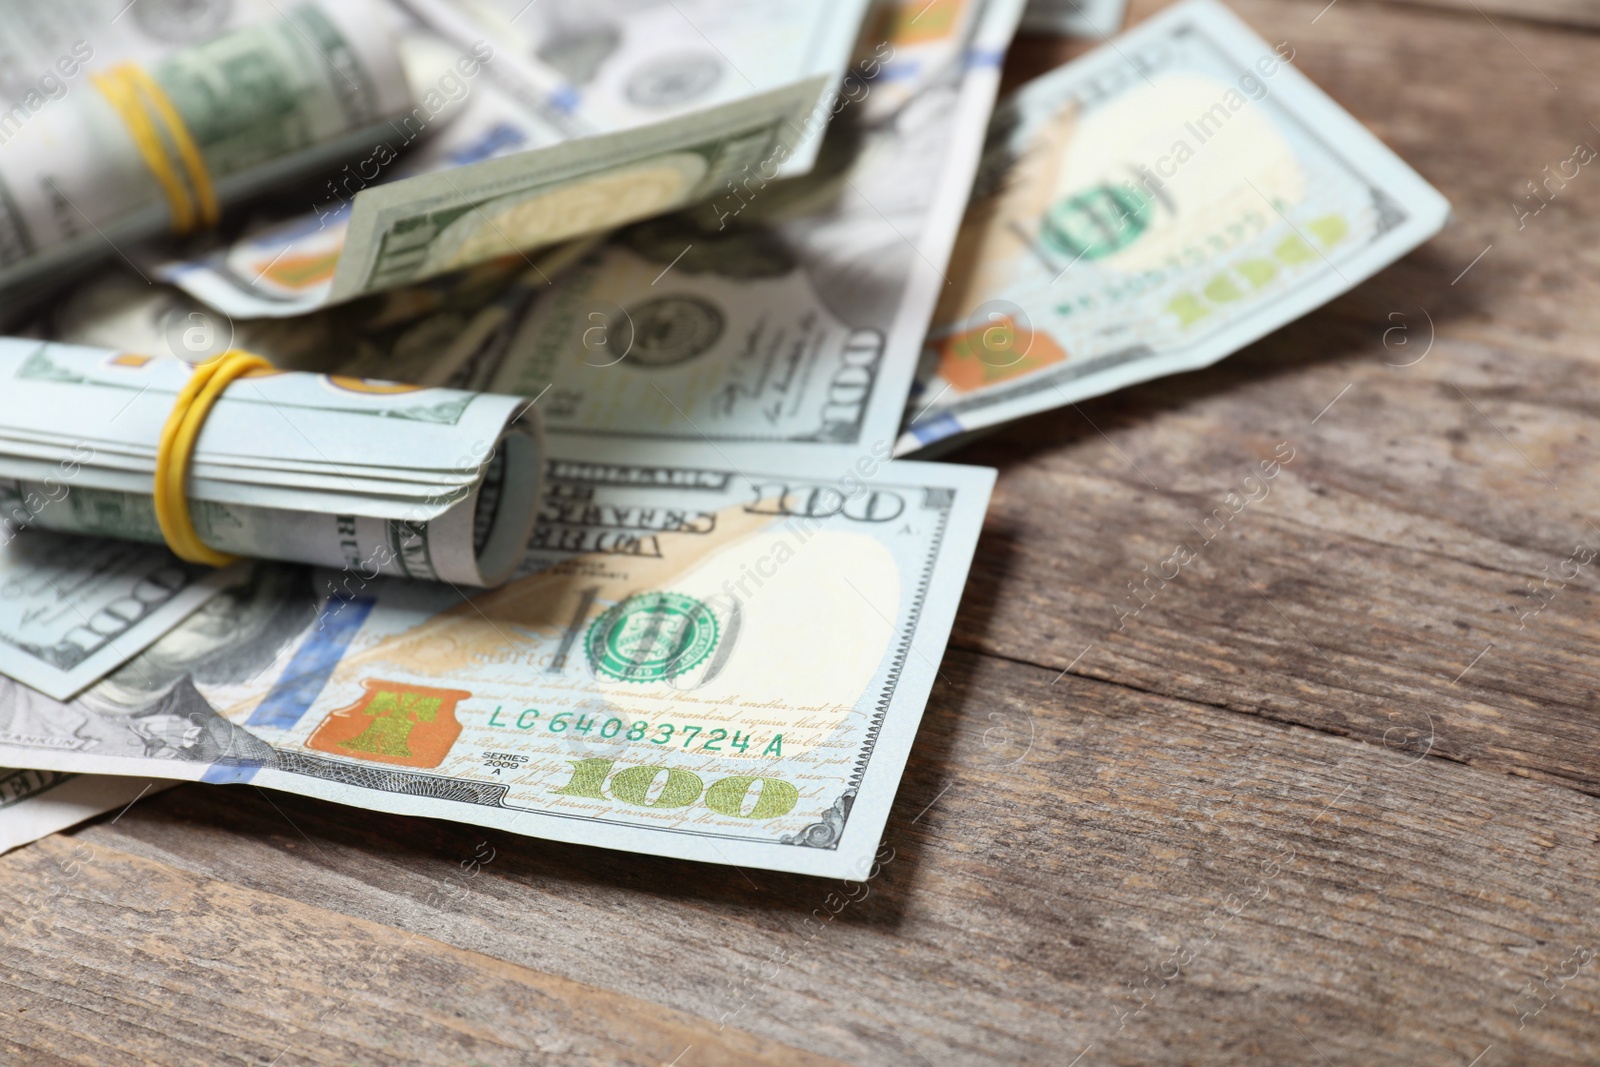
<point x="61" y="801"/>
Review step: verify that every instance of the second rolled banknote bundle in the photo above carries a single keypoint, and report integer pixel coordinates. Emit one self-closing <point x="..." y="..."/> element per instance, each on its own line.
<point x="130" y="148"/>
<point x="378" y="477"/>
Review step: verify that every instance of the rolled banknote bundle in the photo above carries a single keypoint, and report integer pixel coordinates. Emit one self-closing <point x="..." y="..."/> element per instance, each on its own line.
<point x="134" y="147"/>
<point x="377" y="477"/>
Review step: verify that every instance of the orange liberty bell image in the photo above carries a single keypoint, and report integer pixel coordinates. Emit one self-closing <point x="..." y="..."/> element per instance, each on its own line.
<point x="393" y="722"/>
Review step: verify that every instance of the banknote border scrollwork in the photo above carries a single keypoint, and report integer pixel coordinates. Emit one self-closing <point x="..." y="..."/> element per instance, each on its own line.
<point x="892" y="680"/>
<point x="390" y="780"/>
<point x="824" y="834"/>
<point x="936" y="498"/>
<point x="1391" y="216"/>
<point x="39" y="366"/>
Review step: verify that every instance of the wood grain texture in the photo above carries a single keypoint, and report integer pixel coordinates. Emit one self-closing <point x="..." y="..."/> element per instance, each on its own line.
<point x="1332" y="796"/>
<point x="110" y="958"/>
<point x="1573" y="13"/>
<point x="1397" y="547"/>
<point x="1054" y="845"/>
<point x="1582" y="13"/>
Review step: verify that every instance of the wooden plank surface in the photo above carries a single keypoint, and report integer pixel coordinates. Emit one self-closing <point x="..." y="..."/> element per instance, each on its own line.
<point x="115" y="959"/>
<point x="1560" y="12"/>
<point x="1398" y="545"/>
<point x="1331" y="796"/>
<point x="1054" y="844"/>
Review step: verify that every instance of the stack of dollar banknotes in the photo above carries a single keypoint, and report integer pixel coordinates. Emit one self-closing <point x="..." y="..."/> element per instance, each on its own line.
<point x="569" y="495"/>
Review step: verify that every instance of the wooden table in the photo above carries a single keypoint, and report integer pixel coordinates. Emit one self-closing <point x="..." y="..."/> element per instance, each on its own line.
<point x="1330" y="797"/>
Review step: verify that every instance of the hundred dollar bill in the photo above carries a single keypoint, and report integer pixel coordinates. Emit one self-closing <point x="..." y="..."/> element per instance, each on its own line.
<point x="402" y="479"/>
<point x="785" y="311"/>
<point x="35" y="804"/>
<point x="35" y="38"/>
<point x="591" y="66"/>
<point x="1075" y="18"/>
<point x="461" y="212"/>
<point x="283" y="266"/>
<point x="451" y="330"/>
<point x="1149" y="209"/>
<point x="93" y="158"/>
<point x="723" y="662"/>
<point x="73" y="608"/>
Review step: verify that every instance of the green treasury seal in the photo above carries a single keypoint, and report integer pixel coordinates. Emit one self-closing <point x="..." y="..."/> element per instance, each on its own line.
<point x="651" y="636"/>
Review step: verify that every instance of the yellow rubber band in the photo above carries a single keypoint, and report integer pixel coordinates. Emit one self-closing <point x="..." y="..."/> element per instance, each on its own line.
<point x="199" y="178"/>
<point x="147" y="111"/>
<point x="178" y="437"/>
<point x="125" y="99"/>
